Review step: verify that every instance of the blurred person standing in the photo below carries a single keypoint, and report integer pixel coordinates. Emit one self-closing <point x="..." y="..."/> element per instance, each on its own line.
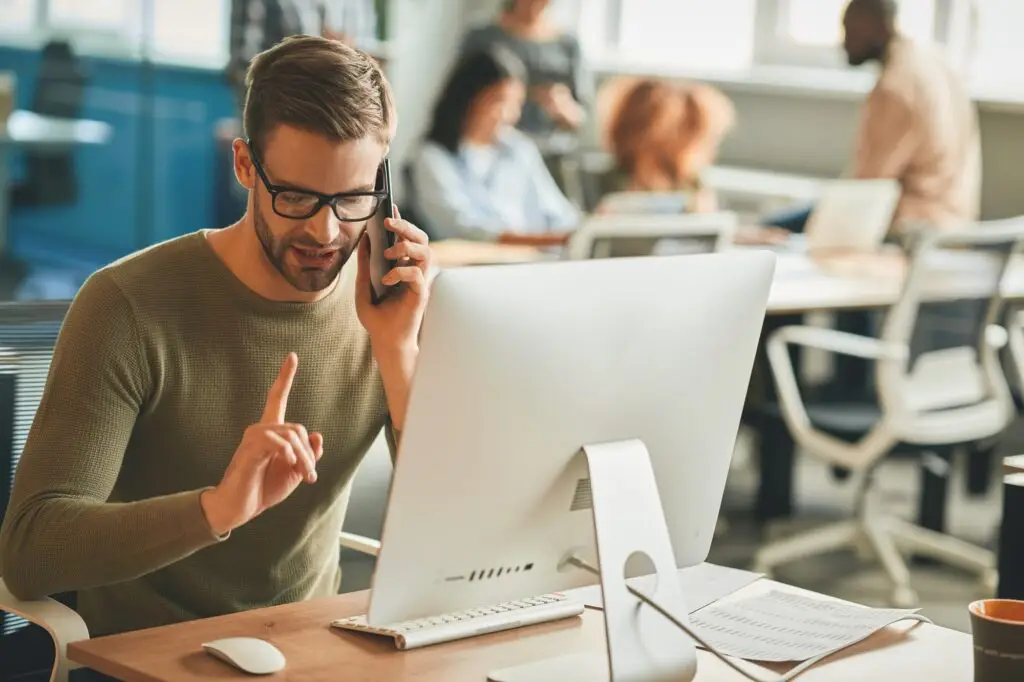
<point x="559" y="86"/>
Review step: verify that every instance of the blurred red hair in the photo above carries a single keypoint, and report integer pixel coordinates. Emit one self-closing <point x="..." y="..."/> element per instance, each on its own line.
<point x="664" y="132"/>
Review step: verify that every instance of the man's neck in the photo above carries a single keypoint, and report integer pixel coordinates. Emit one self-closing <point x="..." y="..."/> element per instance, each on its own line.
<point x="240" y="250"/>
<point x="890" y="47"/>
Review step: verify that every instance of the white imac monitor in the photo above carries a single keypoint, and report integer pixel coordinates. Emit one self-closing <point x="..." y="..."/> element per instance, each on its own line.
<point x="520" y="368"/>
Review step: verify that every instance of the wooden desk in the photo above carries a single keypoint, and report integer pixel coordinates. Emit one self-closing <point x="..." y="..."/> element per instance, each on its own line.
<point x="317" y="653"/>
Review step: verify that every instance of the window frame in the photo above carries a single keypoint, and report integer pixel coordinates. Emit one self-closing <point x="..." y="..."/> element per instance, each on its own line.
<point x="954" y="25"/>
<point x="118" y="45"/>
<point x="606" y="55"/>
<point x="773" y="47"/>
<point x="779" y="66"/>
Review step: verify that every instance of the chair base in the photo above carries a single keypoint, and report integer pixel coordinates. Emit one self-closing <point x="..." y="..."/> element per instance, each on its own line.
<point x="889" y="540"/>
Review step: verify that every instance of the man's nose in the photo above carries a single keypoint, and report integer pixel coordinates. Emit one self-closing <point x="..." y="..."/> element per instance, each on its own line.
<point x="324" y="226"/>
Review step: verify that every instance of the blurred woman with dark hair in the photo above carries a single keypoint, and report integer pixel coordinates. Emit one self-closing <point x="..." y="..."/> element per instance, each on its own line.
<point x="663" y="135"/>
<point x="476" y="177"/>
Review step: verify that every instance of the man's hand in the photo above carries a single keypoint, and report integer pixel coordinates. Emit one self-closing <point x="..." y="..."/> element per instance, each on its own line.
<point x="273" y="458"/>
<point x="557" y="100"/>
<point x="394" y="323"/>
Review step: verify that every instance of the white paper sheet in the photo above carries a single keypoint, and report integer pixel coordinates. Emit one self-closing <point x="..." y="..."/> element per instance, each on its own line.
<point x="702" y="585"/>
<point x="785" y="627"/>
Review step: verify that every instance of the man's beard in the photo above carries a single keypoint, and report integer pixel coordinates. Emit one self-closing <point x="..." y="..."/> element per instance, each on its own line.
<point x="872" y="53"/>
<point x="303" y="279"/>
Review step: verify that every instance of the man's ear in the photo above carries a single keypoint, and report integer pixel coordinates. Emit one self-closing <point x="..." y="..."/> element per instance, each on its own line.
<point x="245" y="173"/>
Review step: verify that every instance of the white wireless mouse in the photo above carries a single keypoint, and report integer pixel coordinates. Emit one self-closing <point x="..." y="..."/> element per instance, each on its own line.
<point x="248" y="654"/>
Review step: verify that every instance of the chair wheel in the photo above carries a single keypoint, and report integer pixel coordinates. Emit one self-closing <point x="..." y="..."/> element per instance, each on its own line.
<point x="990" y="582"/>
<point x="904" y="598"/>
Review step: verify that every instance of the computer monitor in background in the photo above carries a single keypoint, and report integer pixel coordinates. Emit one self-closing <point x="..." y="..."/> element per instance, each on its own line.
<point x="520" y="369"/>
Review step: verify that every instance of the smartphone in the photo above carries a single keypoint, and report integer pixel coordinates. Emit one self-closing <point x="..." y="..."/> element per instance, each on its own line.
<point x="381" y="238"/>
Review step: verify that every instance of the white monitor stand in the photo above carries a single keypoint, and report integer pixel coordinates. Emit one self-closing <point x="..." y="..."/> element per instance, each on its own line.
<point x="643" y="646"/>
<point x="585" y="410"/>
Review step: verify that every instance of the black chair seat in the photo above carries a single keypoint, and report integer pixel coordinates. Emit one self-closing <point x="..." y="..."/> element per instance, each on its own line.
<point x="846" y="420"/>
<point x="851" y="421"/>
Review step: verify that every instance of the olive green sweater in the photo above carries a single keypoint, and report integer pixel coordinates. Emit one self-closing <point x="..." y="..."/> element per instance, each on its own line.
<point x="164" y="359"/>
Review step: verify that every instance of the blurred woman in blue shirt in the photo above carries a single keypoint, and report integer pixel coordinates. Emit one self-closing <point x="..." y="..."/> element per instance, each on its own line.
<point x="476" y="177"/>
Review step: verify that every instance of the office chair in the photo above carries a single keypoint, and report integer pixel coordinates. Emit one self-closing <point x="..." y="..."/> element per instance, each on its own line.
<point x="957" y="395"/>
<point x="28" y="332"/>
<point x="59" y="92"/>
<point x="621" y="234"/>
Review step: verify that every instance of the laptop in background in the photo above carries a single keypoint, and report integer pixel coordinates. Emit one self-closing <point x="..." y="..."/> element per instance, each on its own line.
<point x="852" y="215"/>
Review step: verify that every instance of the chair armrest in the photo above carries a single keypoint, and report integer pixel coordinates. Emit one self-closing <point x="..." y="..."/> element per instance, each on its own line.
<point x="63" y="625"/>
<point x="794" y="412"/>
<point x="997" y="336"/>
<point x="1015" y="339"/>
<point x="359" y="543"/>
<point x="839" y="342"/>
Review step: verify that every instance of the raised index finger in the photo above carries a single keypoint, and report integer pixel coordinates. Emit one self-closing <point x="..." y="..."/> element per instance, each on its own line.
<point x="277" y="398"/>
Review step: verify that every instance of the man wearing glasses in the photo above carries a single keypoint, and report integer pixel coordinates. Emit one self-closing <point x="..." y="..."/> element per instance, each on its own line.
<point x="210" y="397"/>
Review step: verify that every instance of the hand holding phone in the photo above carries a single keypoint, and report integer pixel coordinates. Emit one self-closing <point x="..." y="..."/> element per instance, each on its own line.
<point x="381" y="238"/>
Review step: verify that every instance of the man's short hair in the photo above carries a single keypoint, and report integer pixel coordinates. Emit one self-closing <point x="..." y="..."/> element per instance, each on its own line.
<point x="320" y="86"/>
<point x="883" y="10"/>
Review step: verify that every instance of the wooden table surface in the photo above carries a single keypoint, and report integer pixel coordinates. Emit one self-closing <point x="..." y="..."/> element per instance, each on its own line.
<point x="802" y="283"/>
<point x="317" y="653"/>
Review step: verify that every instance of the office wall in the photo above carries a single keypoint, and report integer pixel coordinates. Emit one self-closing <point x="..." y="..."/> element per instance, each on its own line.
<point x="427" y="35"/>
<point x="815" y="135"/>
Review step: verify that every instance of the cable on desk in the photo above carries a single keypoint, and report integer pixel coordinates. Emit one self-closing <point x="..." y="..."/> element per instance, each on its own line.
<point x="786" y="677"/>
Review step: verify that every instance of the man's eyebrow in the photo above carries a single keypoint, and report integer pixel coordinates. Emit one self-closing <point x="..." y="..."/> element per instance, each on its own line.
<point x="302" y="188"/>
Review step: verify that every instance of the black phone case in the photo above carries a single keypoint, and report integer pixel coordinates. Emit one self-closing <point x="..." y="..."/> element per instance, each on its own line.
<point x="381" y="238"/>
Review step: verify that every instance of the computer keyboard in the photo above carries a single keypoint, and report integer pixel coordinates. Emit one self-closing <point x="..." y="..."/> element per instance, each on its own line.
<point x="470" y="623"/>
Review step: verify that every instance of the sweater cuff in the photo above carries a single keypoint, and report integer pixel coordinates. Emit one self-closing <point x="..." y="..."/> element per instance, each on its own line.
<point x="194" y="522"/>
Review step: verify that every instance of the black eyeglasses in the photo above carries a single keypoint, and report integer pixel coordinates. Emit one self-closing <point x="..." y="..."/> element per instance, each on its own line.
<point x="299" y="204"/>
